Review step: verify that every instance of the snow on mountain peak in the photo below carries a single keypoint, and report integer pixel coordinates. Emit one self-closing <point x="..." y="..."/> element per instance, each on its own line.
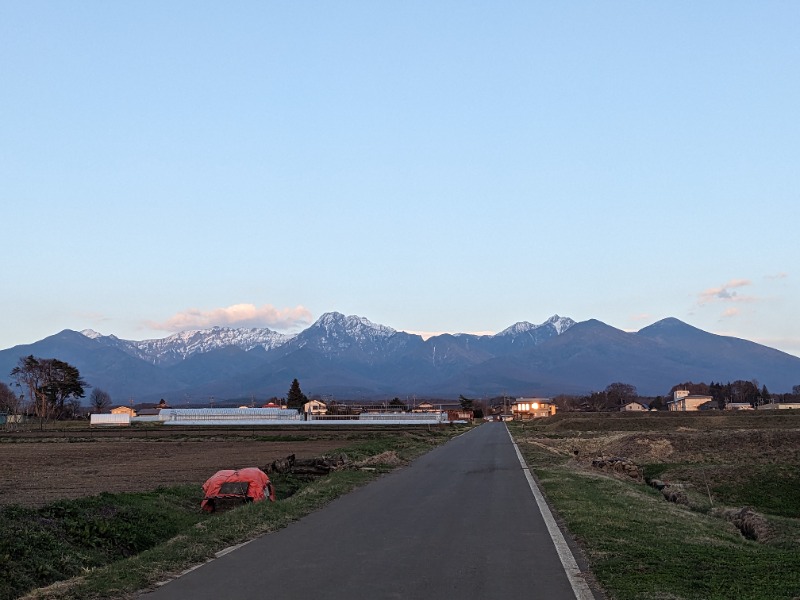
<point x="560" y="324"/>
<point x="353" y="325"/>
<point x="91" y="334"/>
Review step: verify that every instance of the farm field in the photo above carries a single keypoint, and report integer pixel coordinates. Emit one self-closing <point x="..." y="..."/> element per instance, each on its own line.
<point x="102" y="513"/>
<point x="40" y="467"/>
<point x="676" y="505"/>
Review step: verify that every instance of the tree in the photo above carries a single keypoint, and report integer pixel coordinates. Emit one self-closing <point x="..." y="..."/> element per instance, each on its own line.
<point x="764" y="396"/>
<point x="619" y="394"/>
<point x="9" y="402"/>
<point x="63" y="387"/>
<point x="397" y="403"/>
<point x="99" y="400"/>
<point x="596" y="401"/>
<point x="466" y="403"/>
<point x="51" y="385"/>
<point x="295" y="398"/>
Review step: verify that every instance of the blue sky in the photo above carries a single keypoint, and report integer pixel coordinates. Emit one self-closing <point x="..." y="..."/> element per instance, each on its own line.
<point x="432" y="166"/>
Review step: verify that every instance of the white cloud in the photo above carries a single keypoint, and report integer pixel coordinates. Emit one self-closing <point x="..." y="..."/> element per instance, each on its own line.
<point x="726" y="293"/>
<point x="777" y="276"/>
<point x="730" y="312"/>
<point x="237" y="315"/>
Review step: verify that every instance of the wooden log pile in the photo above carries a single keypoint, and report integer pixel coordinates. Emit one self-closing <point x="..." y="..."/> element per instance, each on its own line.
<point x="314" y="467"/>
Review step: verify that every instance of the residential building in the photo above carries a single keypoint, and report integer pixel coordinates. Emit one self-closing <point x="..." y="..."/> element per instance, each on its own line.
<point x="683" y="400"/>
<point x="524" y="409"/>
<point x="633" y="405"/>
<point x="738" y="406"/>
<point x="315" y="407"/>
<point x="780" y="406"/>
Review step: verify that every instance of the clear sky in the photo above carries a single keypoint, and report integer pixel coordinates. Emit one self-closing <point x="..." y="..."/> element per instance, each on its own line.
<point x="432" y="166"/>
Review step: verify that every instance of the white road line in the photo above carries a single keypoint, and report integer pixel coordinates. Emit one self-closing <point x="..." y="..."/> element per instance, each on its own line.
<point x="579" y="585"/>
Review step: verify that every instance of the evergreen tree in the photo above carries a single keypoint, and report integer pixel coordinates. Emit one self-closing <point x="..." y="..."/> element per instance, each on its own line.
<point x="466" y="403"/>
<point x="295" y="398"/>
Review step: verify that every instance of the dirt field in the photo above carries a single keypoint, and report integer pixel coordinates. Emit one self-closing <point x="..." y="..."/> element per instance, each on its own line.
<point x="41" y="467"/>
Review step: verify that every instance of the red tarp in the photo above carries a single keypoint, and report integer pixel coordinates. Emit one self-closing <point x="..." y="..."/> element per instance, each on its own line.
<point x="250" y="483"/>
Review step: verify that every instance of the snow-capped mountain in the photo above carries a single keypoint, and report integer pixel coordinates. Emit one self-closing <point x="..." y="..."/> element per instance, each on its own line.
<point x="335" y="334"/>
<point x="558" y="324"/>
<point x="352" y="357"/>
<point x="179" y="346"/>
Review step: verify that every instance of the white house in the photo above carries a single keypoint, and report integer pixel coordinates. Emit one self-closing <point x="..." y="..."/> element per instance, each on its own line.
<point x="315" y="407"/>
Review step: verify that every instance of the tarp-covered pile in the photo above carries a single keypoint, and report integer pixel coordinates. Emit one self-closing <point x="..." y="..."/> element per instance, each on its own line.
<point x="228" y="486"/>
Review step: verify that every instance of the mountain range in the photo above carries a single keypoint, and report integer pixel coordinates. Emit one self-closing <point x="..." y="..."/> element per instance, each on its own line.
<point x="351" y="358"/>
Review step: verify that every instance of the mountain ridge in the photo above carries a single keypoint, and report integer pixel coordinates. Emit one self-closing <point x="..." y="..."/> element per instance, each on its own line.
<point x="352" y="357"/>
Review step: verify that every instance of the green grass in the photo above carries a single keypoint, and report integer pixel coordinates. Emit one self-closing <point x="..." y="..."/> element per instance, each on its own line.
<point x="641" y="547"/>
<point x="110" y="546"/>
<point x="67" y="538"/>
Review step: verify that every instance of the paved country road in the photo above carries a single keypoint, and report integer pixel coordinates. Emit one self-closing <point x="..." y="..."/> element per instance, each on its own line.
<point x="460" y="523"/>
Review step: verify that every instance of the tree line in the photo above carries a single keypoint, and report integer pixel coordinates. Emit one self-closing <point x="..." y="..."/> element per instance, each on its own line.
<point x="618" y="394"/>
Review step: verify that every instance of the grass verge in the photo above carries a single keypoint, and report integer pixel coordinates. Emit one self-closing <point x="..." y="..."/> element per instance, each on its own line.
<point x="641" y="547"/>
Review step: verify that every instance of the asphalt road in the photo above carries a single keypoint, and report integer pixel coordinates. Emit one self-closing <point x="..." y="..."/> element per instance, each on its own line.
<point x="458" y="523"/>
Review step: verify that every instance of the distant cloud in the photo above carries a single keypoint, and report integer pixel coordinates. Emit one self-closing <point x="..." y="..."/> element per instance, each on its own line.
<point x="726" y="293"/>
<point x="238" y="315"/>
<point x="777" y="276"/>
<point x="640" y="317"/>
<point x="730" y="312"/>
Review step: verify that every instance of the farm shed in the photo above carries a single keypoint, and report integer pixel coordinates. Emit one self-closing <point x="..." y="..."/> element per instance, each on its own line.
<point x="116" y="419"/>
<point x="229" y="416"/>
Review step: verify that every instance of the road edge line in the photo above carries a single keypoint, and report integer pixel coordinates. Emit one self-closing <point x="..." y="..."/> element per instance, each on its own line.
<point x="578" y="583"/>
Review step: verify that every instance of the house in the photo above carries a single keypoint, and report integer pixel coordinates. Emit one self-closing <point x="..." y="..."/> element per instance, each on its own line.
<point x="779" y="406"/>
<point x="738" y="406"/>
<point x="273" y="405"/>
<point x="634" y="405"/>
<point x="315" y="407"/>
<point x="524" y="409"/>
<point x="460" y="415"/>
<point x="123" y="410"/>
<point x="682" y="400"/>
<point x="424" y="407"/>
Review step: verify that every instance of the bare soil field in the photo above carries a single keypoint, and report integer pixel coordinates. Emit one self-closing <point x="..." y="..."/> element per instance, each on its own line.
<point x="39" y="467"/>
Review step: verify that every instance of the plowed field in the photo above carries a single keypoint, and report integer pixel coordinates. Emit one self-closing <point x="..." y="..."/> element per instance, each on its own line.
<point x="41" y="467"/>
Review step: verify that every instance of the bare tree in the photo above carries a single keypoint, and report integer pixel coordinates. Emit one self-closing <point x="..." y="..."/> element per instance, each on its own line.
<point x="11" y="405"/>
<point x="619" y="394"/>
<point x="8" y="399"/>
<point x="99" y="400"/>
